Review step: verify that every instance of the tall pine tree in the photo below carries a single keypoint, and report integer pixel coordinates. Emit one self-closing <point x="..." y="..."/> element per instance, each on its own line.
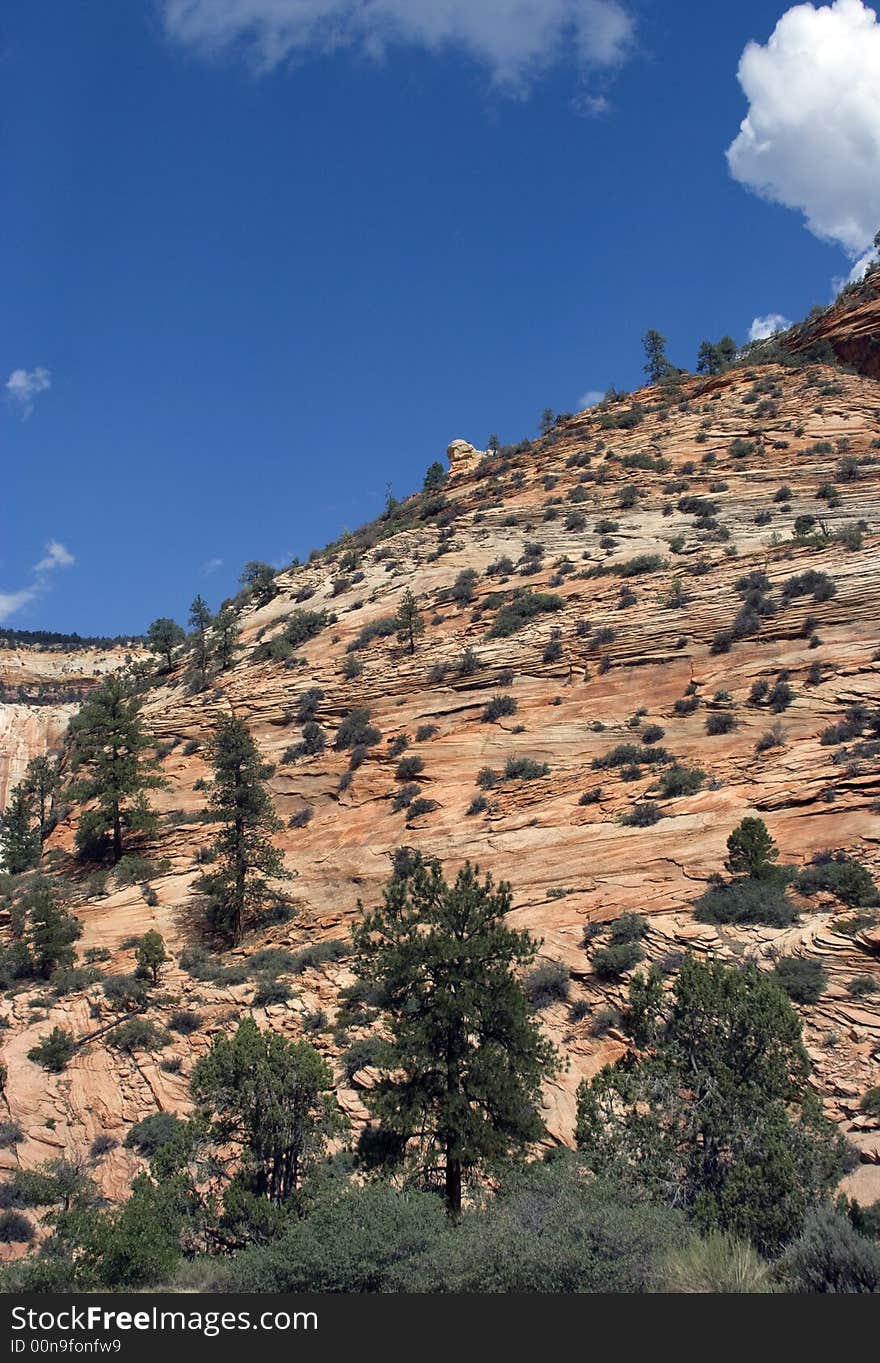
<point x="19" y="833"/>
<point x="111" y="744"/>
<point x="41" y="782"/>
<point x="200" y="620"/>
<point x="465" y="1058"/>
<point x="236" y="886"/>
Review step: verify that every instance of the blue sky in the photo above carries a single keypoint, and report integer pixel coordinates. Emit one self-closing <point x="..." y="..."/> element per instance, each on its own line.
<point x="255" y="271"/>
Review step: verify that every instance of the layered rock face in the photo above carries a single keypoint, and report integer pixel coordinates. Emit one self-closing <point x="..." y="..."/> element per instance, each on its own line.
<point x="40" y="689"/>
<point x="631" y="529"/>
<point x="851" y="326"/>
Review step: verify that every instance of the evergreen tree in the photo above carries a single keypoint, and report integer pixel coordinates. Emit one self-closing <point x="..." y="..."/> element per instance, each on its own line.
<point x="225" y="636"/>
<point x="52" y="931"/>
<point x="657" y="366"/>
<point x="151" y="953"/>
<point x="708" y="359"/>
<point x="714" y="1113"/>
<point x="715" y="358"/>
<point x="750" y="850"/>
<point x="41" y="782"/>
<point x="464" y="1059"/>
<point x="19" y="834"/>
<point x="548" y="421"/>
<point x="274" y="1099"/>
<point x="200" y="621"/>
<point x="434" y="478"/>
<point x="408" y="621"/>
<point x="236" y="885"/>
<point x="109" y="740"/>
<point x="259" y="579"/>
<point x="727" y="351"/>
<point x="493" y="444"/>
<point x="163" y="637"/>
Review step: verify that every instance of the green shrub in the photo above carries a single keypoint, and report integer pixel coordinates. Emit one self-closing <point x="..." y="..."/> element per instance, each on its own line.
<point x="720" y="722"/>
<point x="680" y="780"/>
<point x="54" y="1052"/>
<point x="409" y="767"/>
<point x="609" y="963"/>
<point x="842" y="876"/>
<point x="497" y="708"/>
<point x="642" y="814"/>
<point x="629" y="927"/>
<point x="270" y="990"/>
<point x="524" y="769"/>
<point x="151" y="1133"/>
<point x="356" y="731"/>
<point x="630" y="755"/>
<point x="548" y="983"/>
<point x="641" y="564"/>
<point x="15" y="1229"/>
<point x="524" y="607"/>
<point x="830" y="1256"/>
<point x="750" y="900"/>
<point x="803" y="980"/>
<point x="11" y="1134"/>
<point x="138" y="1034"/>
<point x="319" y="953"/>
<point x="184" y="1021"/>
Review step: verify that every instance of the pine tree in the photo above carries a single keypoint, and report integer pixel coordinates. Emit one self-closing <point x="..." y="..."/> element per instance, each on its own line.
<point x="548" y="421"/>
<point x="751" y="850"/>
<point x="225" y="636"/>
<point x="151" y="953"/>
<point x="41" y="782"/>
<point x="408" y="621"/>
<point x="259" y="579"/>
<point x="52" y="931"/>
<point x="200" y="621"/>
<point x="465" y="1059"/>
<point x="19" y="834"/>
<point x="714" y="1111"/>
<point x="434" y="478"/>
<point x="163" y="637"/>
<point x="110" y="741"/>
<point x="274" y="1098"/>
<point x="708" y="359"/>
<point x="657" y="366"/>
<point x="236" y="886"/>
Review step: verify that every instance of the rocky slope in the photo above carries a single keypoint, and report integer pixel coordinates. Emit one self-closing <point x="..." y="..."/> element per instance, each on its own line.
<point x="641" y="578"/>
<point x="40" y="689"/>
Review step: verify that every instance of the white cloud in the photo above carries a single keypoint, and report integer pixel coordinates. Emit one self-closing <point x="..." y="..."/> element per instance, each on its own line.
<point x="515" y="39"/>
<point x="589" y="399"/>
<point x="211" y="565"/>
<point x="762" y="327"/>
<point x="23" y="385"/>
<point x="811" y="139"/>
<point x="55" y="555"/>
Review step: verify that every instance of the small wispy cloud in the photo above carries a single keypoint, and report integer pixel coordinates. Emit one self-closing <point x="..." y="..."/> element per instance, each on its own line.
<point x="590" y="398"/>
<point x="56" y="555"/>
<point x="762" y="327"/>
<point x="23" y="385"/>
<point x="590" y="106"/>
<point x="514" y="39"/>
<point x="211" y="565"/>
